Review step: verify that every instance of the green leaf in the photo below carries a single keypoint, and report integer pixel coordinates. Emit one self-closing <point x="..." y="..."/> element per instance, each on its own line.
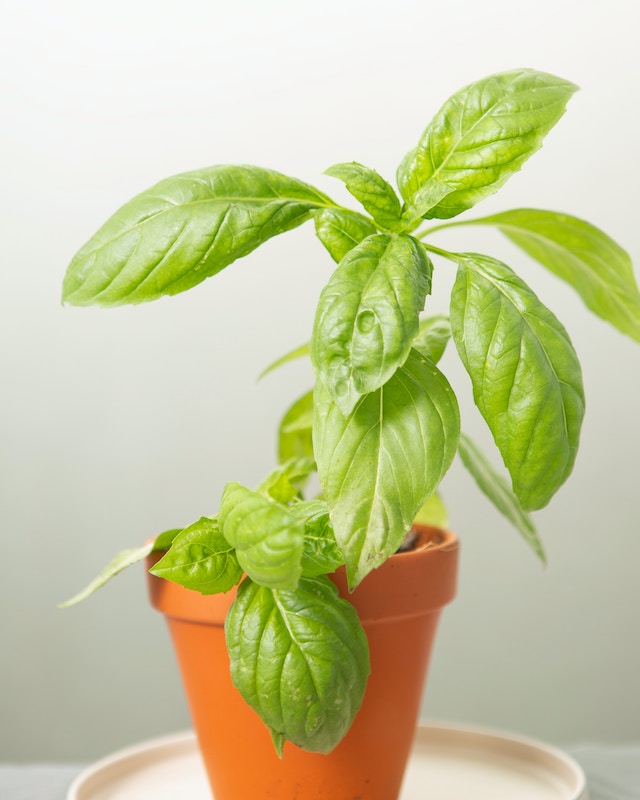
<point x="294" y="435"/>
<point x="120" y="562"/>
<point x="480" y="137"/>
<point x="378" y="466"/>
<point x="200" y="558"/>
<point x="367" y="315"/>
<point x="321" y="554"/>
<point x="300" y="659"/>
<point x="285" y="482"/>
<point x="299" y="352"/>
<point x="433" y="336"/>
<point x="370" y="189"/>
<point x="525" y="373"/>
<point x="583" y="256"/>
<point x="496" y="488"/>
<point x="433" y="512"/>
<point x="183" y="230"/>
<point x="340" y="230"/>
<point x="267" y="538"/>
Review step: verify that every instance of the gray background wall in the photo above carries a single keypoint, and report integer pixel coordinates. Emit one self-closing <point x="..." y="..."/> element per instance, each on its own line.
<point x="118" y="424"/>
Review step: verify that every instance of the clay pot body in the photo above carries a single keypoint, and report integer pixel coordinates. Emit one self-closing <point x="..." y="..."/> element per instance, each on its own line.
<point x="398" y="604"/>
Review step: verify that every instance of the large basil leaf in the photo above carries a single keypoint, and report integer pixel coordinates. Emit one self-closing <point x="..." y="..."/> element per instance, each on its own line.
<point x="120" y="562"/>
<point x="340" y="230"/>
<point x="496" y="488"/>
<point x="525" y="373"/>
<point x="370" y="189"/>
<point x="378" y="465"/>
<point x="582" y="255"/>
<point x="267" y="538"/>
<point x="200" y="558"/>
<point x="294" y="434"/>
<point x="479" y="138"/>
<point x="367" y="315"/>
<point x="300" y="659"/>
<point x="184" y="229"/>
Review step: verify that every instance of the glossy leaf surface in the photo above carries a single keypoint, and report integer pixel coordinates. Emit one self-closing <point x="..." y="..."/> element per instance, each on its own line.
<point x="267" y="538"/>
<point x="525" y="373"/>
<point x="183" y="230"/>
<point x="479" y="138"/>
<point x="497" y="489"/>
<point x="370" y="189"/>
<point x="341" y="230"/>
<point x="300" y="659"/>
<point x="583" y="256"/>
<point x="378" y="465"/>
<point x="367" y="315"/>
<point x="200" y="558"/>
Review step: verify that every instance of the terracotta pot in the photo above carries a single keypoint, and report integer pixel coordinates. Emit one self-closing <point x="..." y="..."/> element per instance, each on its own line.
<point x="399" y="605"/>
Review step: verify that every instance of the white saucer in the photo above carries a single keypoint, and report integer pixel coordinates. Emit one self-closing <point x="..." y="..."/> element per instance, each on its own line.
<point x="447" y="763"/>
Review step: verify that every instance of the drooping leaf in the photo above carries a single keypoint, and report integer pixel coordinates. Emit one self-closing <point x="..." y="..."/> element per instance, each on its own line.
<point x="583" y="256"/>
<point x="201" y="559"/>
<point x="496" y="488"/>
<point x="370" y="189"/>
<point x="367" y="315"/>
<point x="285" y="482"/>
<point x="526" y="376"/>
<point x="120" y="562"/>
<point x="479" y="138"/>
<point x="267" y="538"/>
<point x="433" y="335"/>
<point x="378" y="465"/>
<point x="321" y="554"/>
<point x="294" y="435"/>
<point x="300" y="659"/>
<point x="299" y="352"/>
<point x="340" y="230"/>
<point x="183" y="230"/>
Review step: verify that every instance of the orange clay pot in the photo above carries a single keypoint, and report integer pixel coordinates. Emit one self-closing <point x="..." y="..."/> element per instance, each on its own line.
<point x="399" y="605"/>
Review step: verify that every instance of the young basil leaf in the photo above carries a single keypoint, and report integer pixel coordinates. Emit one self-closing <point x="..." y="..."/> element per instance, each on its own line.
<point x="525" y="373"/>
<point x="183" y="230"/>
<point x="299" y="352"/>
<point x="321" y="554"/>
<point x="300" y="659"/>
<point x="120" y="562"/>
<point x="294" y="435"/>
<point x="479" y="138"/>
<point x="285" y="482"/>
<point x="367" y="315"/>
<point x="267" y="538"/>
<point x="340" y="230"/>
<point x="496" y="488"/>
<point x="432" y="338"/>
<point x="378" y="465"/>
<point x="370" y="189"/>
<point x="200" y="558"/>
<point x="583" y="256"/>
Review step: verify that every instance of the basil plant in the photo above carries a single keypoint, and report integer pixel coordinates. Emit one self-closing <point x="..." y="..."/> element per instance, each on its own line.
<point x="381" y="426"/>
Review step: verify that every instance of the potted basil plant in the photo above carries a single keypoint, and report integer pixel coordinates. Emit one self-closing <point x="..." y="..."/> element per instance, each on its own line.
<point x="381" y="427"/>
